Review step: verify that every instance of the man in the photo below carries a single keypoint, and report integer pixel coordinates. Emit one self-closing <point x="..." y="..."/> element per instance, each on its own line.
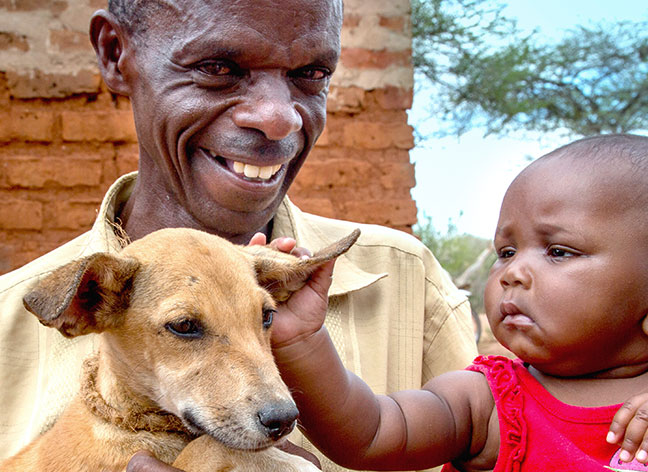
<point x="229" y="98"/>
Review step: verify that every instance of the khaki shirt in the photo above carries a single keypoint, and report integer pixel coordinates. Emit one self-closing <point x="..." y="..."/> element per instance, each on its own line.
<point x="394" y="316"/>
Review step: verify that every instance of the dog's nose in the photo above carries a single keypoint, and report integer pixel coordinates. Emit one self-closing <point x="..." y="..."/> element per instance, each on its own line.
<point x="278" y="419"/>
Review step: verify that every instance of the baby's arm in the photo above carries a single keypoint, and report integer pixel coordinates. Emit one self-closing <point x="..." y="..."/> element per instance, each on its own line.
<point x="408" y="430"/>
<point x="629" y="429"/>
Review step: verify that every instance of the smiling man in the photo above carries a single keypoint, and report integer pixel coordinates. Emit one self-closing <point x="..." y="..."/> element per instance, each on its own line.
<point x="229" y="97"/>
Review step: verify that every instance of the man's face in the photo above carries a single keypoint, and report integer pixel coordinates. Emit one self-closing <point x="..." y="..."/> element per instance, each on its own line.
<point x="229" y="97"/>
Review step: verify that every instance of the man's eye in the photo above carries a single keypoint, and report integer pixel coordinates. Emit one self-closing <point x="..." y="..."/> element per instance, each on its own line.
<point x="312" y="73"/>
<point x="185" y="328"/>
<point x="216" y="68"/>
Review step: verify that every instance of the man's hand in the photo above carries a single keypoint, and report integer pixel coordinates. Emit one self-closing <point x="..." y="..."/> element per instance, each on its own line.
<point x="304" y="312"/>
<point x="144" y="461"/>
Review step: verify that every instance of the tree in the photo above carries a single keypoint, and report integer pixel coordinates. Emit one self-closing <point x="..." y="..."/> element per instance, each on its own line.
<point x="594" y="80"/>
<point x="457" y="252"/>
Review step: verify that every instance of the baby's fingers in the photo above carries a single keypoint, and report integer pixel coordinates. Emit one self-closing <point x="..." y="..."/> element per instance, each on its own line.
<point x="629" y="428"/>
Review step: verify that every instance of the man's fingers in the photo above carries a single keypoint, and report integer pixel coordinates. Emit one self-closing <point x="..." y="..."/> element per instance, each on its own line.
<point x="144" y="461"/>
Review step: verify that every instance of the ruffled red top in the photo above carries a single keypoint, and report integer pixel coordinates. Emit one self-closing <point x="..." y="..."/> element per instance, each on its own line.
<point x="539" y="432"/>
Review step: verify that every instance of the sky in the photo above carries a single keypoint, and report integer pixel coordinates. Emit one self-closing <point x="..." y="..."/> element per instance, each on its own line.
<point x="464" y="179"/>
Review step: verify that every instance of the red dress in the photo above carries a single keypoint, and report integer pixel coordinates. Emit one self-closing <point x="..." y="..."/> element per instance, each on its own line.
<point x="540" y="433"/>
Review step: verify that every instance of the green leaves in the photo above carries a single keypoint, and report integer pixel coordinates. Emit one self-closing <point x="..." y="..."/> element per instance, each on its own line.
<point x="486" y="74"/>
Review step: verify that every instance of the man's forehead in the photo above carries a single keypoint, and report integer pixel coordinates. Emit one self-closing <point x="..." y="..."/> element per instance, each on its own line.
<point x="321" y="9"/>
<point x="234" y="27"/>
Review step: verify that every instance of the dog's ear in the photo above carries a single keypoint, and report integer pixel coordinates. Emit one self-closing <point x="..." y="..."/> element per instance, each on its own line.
<point x="87" y="295"/>
<point x="282" y="274"/>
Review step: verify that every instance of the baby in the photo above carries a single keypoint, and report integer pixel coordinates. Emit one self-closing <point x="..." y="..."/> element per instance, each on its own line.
<point x="568" y="295"/>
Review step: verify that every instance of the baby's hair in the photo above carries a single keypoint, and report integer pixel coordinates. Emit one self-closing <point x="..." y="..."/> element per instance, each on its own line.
<point x="627" y="151"/>
<point x="631" y="148"/>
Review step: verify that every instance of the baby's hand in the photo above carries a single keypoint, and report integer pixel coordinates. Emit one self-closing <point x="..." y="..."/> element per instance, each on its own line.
<point x="304" y="312"/>
<point x="283" y="244"/>
<point x="629" y="429"/>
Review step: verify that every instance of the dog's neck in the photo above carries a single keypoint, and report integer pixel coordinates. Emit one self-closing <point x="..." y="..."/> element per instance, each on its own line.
<point x="130" y="419"/>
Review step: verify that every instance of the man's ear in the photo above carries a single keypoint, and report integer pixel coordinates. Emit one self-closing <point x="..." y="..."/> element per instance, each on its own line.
<point x="282" y="274"/>
<point x="110" y="44"/>
<point x="87" y="295"/>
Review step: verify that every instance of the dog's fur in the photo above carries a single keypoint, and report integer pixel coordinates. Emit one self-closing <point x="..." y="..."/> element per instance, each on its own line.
<point x="184" y="351"/>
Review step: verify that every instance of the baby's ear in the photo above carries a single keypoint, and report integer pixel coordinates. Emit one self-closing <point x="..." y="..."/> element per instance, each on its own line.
<point x="644" y="324"/>
<point x="84" y="296"/>
<point x="282" y="274"/>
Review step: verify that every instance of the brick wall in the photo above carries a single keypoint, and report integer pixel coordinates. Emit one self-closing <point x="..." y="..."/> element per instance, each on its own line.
<point x="64" y="138"/>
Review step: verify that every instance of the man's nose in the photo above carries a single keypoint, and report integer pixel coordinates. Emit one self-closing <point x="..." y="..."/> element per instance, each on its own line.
<point x="517" y="272"/>
<point x="268" y="106"/>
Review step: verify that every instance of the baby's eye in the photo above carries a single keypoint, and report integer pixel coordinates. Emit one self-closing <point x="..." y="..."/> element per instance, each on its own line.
<point x="506" y="253"/>
<point x="560" y="252"/>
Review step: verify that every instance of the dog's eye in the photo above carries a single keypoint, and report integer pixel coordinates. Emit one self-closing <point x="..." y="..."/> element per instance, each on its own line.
<point x="185" y="328"/>
<point x="268" y="315"/>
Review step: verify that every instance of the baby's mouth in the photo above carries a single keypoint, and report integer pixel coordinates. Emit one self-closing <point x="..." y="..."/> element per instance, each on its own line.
<point x="247" y="171"/>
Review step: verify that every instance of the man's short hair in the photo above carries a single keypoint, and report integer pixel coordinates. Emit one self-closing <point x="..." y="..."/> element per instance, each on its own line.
<point x="133" y="15"/>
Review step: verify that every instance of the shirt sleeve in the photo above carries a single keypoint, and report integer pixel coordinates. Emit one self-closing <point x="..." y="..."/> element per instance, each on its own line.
<point x="449" y="337"/>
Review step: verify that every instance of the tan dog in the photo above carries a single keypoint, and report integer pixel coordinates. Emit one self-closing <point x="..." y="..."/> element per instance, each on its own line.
<point x="184" y="352"/>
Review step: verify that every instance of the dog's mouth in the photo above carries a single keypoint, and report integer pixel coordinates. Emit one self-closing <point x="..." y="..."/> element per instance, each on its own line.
<point x="232" y="435"/>
<point x="192" y="423"/>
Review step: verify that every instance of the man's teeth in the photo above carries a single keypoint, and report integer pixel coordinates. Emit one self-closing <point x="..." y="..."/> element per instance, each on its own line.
<point x="254" y="172"/>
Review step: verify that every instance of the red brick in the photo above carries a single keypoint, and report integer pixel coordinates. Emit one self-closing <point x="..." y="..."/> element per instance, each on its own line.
<point x="351" y="21"/>
<point x="383" y="212"/>
<point x="37" y="84"/>
<point x="318" y="206"/>
<point x="55" y="6"/>
<point x="394" y="98"/>
<point x="66" y="172"/>
<point x="346" y="99"/>
<point x="21" y="214"/>
<point x="358" y="58"/>
<point x="28" y="125"/>
<point x="371" y="135"/>
<point x="394" y="23"/>
<point x="127" y="159"/>
<point x="70" y="214"/>
<point x="115" y="125"/>
<point x="70" y="41"/>
<point x="397" y="176"/>
<point x="9" y="40"/>
<point x="4" y="91"/>
<point x="335" y="173"/>
<point x="323" y="139"/>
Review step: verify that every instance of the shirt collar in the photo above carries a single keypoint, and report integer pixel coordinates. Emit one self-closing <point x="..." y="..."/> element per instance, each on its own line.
<point x="310" y="231"/>
<point x="103" y="237"/>
<point x="314" y="232"/>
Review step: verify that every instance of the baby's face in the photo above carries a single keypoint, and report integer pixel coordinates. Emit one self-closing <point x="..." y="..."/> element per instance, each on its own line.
<point x="569" y="291"/>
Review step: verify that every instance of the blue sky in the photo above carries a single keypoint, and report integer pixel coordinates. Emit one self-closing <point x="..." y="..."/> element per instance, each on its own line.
<point x="464" y="179"/>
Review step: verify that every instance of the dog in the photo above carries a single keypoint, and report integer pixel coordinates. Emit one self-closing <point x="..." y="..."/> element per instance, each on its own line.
<point x="184" y="355"/>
